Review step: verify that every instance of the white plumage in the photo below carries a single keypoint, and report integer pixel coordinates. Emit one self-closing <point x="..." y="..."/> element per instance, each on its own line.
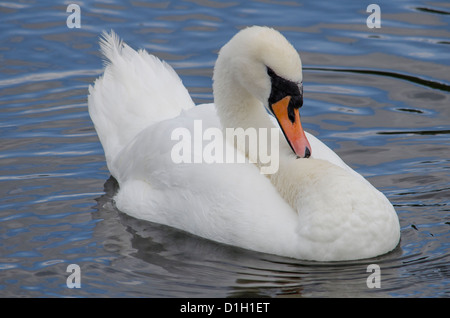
<point x="316" y="208"/>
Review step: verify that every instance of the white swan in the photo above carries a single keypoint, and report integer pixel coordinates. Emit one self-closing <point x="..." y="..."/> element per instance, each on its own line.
<point x="314" y="208"/>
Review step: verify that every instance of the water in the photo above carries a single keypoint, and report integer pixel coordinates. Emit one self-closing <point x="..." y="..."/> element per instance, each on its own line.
<point x="379" y="97"/>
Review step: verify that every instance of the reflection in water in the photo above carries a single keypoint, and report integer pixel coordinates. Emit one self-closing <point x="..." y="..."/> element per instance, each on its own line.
<point x="164" y="256"/>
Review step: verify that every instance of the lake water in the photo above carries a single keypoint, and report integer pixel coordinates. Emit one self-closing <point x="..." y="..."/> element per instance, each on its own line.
<point x="379" y="97"/>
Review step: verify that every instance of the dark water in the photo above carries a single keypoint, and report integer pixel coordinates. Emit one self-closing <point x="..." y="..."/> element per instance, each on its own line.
<point x="379" y="97"/>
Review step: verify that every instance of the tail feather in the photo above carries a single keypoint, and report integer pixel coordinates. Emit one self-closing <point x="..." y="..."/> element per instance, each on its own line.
<point x="110" y="46"/>
<point x="136" y="90"/>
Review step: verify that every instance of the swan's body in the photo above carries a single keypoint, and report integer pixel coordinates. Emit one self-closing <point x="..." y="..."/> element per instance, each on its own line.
<point x="315" y="208"/>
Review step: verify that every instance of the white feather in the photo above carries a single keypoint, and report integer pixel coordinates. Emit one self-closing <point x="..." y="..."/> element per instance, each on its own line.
<point x="136" y="90"/>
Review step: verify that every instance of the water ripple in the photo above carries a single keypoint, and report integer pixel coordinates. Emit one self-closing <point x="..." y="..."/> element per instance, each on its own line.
<point x="407" y="77"/>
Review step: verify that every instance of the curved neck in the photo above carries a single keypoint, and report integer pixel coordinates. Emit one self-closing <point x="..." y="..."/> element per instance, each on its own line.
<point x="237" y="108"/>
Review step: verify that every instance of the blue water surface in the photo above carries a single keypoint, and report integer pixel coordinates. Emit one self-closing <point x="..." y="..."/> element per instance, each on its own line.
<point x="379" y="97"/>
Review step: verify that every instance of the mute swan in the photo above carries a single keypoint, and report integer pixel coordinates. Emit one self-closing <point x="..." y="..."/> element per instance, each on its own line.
<point x="314" y="207"/>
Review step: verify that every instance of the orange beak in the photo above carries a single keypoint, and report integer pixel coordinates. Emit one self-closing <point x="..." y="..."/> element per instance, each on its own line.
<point x="293" y="131"/>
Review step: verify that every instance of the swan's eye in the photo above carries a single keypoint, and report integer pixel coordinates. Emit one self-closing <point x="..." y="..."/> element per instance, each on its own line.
<point x="282" y="87"/>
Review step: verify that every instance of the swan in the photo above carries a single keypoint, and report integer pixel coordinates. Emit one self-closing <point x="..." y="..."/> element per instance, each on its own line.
<point x="313" y="207"/>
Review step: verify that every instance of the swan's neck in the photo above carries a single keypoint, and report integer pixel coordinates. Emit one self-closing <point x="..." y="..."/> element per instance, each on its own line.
<point x="247" y="118"/>
<point x="237" y="108"/>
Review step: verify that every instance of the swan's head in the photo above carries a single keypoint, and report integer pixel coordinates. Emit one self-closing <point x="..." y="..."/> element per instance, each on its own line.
<point x="265" y="65"/>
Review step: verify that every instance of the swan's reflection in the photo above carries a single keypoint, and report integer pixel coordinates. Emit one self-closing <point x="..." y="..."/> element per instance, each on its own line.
<point x="162" y="261"/>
